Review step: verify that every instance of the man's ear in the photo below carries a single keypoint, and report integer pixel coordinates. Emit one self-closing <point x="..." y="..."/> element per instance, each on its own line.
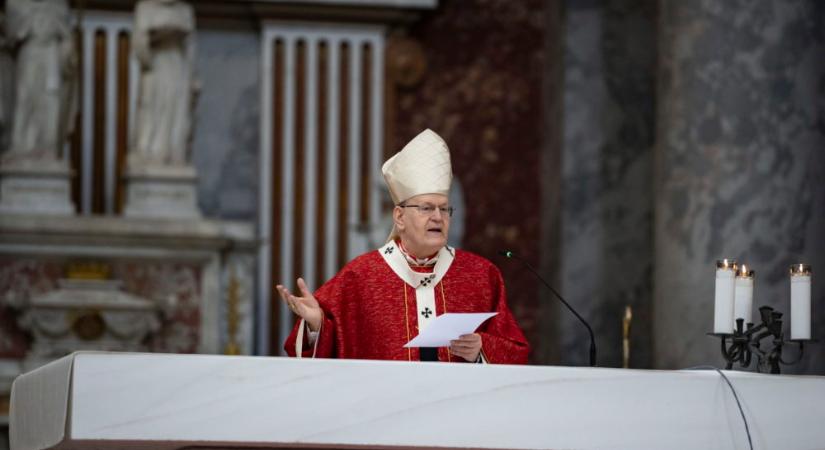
<point x="397" y="212"/>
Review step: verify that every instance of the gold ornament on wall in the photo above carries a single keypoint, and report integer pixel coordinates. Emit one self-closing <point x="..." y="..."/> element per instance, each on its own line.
<point x="406" y="62"/>
<point x="88" y="325"/>
<point x="233" y="299"/>
<point x="628" y="317"/>
<point x="87" y="270"/>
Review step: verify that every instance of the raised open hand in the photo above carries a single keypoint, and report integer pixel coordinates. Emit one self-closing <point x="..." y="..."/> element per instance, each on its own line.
<point x="305" y="306"/>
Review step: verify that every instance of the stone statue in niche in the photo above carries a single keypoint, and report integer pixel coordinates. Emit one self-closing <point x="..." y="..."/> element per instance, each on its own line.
<point x="6" y="86"/>
<point x="40" y="33"/>
<point x="163" y="42"/>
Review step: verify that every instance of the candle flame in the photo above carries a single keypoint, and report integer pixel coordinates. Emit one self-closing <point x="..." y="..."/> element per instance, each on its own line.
<point x="727" y="264"/>
<point x="801" y="269"/>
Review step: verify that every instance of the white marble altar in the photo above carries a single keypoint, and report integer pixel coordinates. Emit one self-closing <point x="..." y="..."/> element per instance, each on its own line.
<point x="174" y="401"/>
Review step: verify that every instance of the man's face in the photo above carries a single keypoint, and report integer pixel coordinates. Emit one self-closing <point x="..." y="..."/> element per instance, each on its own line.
<point x="423" y="233"/>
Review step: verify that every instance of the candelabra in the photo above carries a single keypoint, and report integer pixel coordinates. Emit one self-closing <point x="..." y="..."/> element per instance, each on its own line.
<point x="744" y="343"/>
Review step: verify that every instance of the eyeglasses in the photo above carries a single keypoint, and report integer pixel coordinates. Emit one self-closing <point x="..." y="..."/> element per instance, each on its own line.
<point x="428" y="210"/>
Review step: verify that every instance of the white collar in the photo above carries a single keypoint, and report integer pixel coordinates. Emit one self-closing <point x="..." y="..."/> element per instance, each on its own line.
<point x="394" y="257"/>
<point x="415" y="261"/>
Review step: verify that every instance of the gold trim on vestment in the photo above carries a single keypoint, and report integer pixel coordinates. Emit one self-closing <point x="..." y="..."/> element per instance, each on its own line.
<point x="407" y="320"/>
<point x="444" y="307"/>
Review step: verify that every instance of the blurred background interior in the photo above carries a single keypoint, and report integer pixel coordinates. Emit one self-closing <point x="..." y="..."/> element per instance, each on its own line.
<point x="620" y="146"/>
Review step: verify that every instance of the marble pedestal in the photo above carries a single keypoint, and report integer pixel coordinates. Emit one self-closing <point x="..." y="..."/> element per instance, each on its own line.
<point x="163" y="192"/>
<point x="36" y="188"/>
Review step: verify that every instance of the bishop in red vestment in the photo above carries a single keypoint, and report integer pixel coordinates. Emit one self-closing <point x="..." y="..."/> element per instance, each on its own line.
<point x="380" y="300"/>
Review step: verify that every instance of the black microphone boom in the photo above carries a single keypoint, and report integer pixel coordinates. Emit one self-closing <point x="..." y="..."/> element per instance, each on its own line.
<point x="509" y="254"/>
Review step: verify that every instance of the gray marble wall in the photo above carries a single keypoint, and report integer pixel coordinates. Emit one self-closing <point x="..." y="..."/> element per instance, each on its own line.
<point x="740" y="163"/>
<point x="692" y="130"/>
<point x="225" y="147"/>
<point x="608" y="114"/>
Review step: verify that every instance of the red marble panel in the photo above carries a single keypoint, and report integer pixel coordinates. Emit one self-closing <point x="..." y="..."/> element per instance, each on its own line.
<point x="20" y="279"/>
<point x="160" y="282"/>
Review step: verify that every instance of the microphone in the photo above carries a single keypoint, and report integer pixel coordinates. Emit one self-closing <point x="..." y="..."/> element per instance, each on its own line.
<point x="509" y="254"/>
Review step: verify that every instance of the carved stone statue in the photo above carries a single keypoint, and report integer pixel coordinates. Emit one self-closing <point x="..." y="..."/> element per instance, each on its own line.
<point x="163" y="40"/>
<point x="46" y="79"/>
<point x="6" y="86"/>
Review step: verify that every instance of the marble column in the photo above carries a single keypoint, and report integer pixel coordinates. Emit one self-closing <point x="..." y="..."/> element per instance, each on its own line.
<point x="608" y="110"/>
<point x="546" y="350"/>
<point x="739" y="163"/>
<point x="6" y="85"/>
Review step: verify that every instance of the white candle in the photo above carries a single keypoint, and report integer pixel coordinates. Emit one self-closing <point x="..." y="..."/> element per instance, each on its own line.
<point x="723" y="300"/>
<point x="743" y="296"/>
<point x="800" y="301"/>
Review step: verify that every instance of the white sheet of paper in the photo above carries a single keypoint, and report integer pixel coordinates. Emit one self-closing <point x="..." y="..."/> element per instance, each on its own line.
<point x="447" y="327"/>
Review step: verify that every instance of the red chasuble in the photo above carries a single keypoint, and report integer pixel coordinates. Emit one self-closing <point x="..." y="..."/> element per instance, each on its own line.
<point x="370" y="312"/>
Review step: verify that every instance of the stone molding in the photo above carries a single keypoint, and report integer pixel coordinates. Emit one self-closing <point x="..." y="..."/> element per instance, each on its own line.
<point x="364" y="11"/>
<point x="196" y="234"/>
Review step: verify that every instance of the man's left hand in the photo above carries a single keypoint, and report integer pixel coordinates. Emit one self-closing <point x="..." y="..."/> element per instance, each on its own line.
<point x="467" y="346"/>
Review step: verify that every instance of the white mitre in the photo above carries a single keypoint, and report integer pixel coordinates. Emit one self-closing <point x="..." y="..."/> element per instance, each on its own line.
<point x="421" y="167"/>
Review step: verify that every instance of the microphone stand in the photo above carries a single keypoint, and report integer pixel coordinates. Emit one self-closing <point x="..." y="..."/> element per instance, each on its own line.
<point x="509" y="254"/>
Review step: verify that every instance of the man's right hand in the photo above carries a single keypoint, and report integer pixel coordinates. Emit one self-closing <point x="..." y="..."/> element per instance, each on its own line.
<point x="305" y="306"/>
